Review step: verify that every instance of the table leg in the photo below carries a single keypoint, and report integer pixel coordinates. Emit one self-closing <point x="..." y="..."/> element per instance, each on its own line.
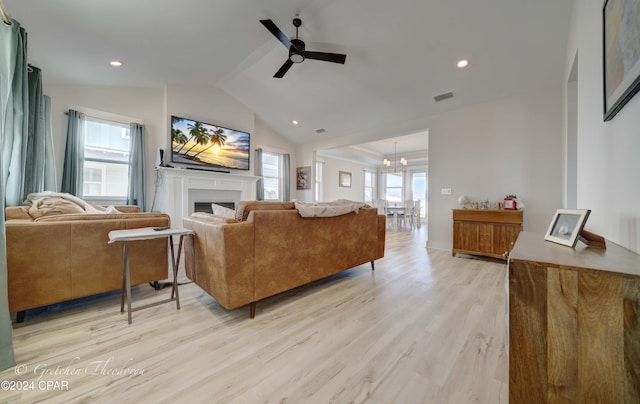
<point x="124" y="276"/>
<point x="175" y="263"/>
<point x="127" y="277"/>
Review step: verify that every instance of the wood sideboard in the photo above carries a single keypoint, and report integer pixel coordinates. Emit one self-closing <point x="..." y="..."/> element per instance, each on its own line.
<point x="574" y="323"/>
<point x="485" y="232"/>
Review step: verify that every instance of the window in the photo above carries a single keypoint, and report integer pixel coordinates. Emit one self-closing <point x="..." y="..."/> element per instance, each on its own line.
<point x="94" y="178"/>
<point x="369" y="186"/>
<point x="272" y="176"/>
<point x="419" y="190"/>
<point x="319" y="166"/>
<point x="106" y="159"/>
<point x="394" y="187"/>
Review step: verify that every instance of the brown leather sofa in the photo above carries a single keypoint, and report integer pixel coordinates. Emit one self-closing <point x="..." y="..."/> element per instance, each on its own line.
<point x="60" y="257"/>
<point x="266" y="252"/>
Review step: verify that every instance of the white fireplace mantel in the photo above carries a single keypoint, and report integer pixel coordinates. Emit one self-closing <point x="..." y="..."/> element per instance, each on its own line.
<point x="179" y="187"/>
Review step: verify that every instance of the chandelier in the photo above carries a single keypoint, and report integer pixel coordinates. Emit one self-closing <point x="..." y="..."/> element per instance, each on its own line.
<point x="403" y="161"/>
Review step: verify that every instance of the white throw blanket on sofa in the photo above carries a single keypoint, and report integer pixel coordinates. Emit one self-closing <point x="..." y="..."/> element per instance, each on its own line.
<point x="89" y="208"/>
<point x="328" y="209"/>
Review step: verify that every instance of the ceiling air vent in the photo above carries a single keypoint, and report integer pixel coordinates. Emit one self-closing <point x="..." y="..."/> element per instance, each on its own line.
<point x="443" y="97"/>
<point x="320" y="131"/>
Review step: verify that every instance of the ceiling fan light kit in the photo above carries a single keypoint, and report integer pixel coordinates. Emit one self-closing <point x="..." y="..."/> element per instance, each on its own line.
<point x="297" y="48"/>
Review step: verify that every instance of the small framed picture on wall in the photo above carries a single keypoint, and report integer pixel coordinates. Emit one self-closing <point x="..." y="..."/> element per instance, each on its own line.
<point x="303" y="177"/>
<point x="344" y="179"/>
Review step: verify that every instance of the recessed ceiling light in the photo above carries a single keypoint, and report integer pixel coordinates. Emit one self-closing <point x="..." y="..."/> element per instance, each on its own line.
<point x="115" y="63"/>
<point x="294" y="122"/>
<point x="462" y="63"/>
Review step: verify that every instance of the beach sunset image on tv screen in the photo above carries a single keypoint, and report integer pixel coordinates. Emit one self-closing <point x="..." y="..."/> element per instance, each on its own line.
<point x="201" y="144"/>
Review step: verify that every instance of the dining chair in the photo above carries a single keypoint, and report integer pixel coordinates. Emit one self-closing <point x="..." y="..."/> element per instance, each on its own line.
<point x="405" y="215"/>
<point x="390" y="214"/>
<point x="416" y="213"/>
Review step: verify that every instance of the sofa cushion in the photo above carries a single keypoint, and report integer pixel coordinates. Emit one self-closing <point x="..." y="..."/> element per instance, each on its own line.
<point x="245" y="207"/>
<point x="53" y="206"/>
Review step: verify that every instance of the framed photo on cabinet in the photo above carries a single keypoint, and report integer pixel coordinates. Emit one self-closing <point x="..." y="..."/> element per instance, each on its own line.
<point x="566" y="225"/>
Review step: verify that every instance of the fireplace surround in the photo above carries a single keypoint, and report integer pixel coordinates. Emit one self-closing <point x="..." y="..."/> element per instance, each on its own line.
<point x="179" y="189"/>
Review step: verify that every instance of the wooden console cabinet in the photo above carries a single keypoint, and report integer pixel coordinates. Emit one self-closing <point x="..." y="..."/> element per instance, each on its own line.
<point x="485" y="232"/>
<point x="574" y="323"/>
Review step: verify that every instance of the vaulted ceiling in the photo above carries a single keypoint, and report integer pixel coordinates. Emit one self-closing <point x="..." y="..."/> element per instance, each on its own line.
<point x="400" y="54"/>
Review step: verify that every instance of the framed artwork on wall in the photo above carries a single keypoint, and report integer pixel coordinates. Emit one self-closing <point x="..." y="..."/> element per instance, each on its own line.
<point x="303" y="177"/>
<point x="344" y="179"/>
<point x="620" y="54"/>
<point x="566" y="225"/>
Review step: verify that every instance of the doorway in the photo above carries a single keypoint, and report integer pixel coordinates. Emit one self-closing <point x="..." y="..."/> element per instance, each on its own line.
<point x="419" y="189"/>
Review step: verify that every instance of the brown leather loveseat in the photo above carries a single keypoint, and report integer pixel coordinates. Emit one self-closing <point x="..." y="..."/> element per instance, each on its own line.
<point x="269" y="248"/>
<point x="58" y="257"/>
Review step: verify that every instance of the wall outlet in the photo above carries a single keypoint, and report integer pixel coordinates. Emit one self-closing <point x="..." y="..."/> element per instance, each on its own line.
<point x="445" y="191"/>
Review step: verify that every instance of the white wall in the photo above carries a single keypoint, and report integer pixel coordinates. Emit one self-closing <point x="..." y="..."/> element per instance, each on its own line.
<point x="155" y="107"/>
<point x="330" y="175"/>
<point x="608" y="162"/>
<point x="509" y="146"/>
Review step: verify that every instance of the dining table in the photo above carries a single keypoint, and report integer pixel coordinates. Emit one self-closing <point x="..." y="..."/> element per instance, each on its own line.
<point x="395" y="210"/>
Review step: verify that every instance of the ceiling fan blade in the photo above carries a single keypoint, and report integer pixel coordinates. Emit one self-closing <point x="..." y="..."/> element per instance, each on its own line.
<point x="271" y="26"/>
<point x="285" y="67"/>
<point x="327" y="57"/>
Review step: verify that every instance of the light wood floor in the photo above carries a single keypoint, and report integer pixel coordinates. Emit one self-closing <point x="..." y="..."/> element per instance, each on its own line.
<point x="423" y="328"/>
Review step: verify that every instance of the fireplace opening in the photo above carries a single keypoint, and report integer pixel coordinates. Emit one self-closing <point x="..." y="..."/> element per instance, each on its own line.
<point x="206" y="206"/>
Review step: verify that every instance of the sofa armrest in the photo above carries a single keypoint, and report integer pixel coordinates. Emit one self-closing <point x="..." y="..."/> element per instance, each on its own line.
<point x="219" y="258"/>
<point x="17" y="212"/>
<point x="382" y="235"/>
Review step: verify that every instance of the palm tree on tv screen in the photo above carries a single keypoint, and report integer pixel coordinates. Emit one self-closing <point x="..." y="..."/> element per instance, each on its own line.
<point x="178" y="137"/>
<point x="196" y="130"/>
<point x="216" y="138"/>
<point x="200" y="137"/>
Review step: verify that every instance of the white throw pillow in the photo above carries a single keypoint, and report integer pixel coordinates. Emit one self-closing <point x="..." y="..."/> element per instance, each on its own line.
<point x="222" y="211"/>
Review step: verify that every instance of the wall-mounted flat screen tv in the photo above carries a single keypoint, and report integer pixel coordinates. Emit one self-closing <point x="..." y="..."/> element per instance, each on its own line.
<point x="208" y="146"/>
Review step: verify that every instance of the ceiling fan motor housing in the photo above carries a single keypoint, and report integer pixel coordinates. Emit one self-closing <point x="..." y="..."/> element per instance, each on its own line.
<point x="296" y="52"/>
<point x="297" y="48"/>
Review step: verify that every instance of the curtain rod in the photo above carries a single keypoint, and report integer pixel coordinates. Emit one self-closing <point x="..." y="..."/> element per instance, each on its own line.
<point x="5" y="15"/>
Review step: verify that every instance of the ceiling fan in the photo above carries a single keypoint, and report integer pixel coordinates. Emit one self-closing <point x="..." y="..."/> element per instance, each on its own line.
<point x="297" y="52"/>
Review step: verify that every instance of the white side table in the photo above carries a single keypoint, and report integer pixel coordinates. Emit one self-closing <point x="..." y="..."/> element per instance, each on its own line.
<point x="146" y="233"/>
